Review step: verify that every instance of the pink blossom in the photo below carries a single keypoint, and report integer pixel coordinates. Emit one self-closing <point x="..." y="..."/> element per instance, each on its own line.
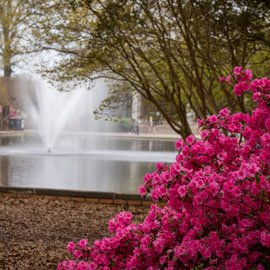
<point x="265" y="239"/>
<point x="92" y="266"/>
<point x="179" y="251"/>
<point x="147" y="177"/>
<point x="77" y="254"/>
<point x="182" y="191"/>
<point x="70" y="247"/>
<point x="165" y="177"/>
<point x="267" y="123"/>
<point x="82" y="244"/>
<point x="190" y="139"/>
<point x="240" y="88"/>
<point x="204" y="134"/>
<point x="224" y="112"/>
<point x="236" y="192"/>
<point x="185" y="150"/>
<point x="206" y="253"/>
<point x="221" y="79"/>
<point x="247" y="74"/>
<point x="179" y="144"/>
<point x="142" y="190"/>
<point x="237" y="71"/>
<point x="159" y="166"/>
<point x="215" y="200"/>
<point x="198" y="200"/>
<point x="162" y="260"/>
<point x="213" y="119"/>
<point x="228" y="79"/>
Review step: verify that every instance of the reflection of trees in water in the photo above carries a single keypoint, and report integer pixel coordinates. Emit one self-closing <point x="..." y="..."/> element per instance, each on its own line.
<point x="4" y="141"/>
<point x="136" y="169"/>
<point x="4" y="164"/>
<point x="152" y="145"/>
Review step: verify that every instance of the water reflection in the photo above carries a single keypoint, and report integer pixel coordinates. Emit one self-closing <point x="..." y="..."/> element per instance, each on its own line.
<point x="81" y="162"/>
<point x="4" y="164"/>
<point x="4" y="170"/>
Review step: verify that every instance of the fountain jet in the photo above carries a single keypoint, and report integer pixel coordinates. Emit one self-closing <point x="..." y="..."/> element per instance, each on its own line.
<point x="53" y="110"/>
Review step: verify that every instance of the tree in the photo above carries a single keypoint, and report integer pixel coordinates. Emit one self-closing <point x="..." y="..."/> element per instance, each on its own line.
<point x="15" y="18"/>
<point x="171" y="52"/>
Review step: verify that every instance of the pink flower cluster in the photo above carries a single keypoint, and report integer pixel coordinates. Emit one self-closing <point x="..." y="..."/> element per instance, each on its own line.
<point x="242" y="77"/>
<point x="217" y="194"/>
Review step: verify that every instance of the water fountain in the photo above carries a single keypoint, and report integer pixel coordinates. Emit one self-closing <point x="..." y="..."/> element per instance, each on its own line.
<point x="77" y="160"/>
<point x="51" y="110"/>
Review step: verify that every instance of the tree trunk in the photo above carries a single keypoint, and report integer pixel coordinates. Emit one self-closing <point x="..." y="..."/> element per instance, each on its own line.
<point x="7" y="71"/>
<point x="186" y="131"/>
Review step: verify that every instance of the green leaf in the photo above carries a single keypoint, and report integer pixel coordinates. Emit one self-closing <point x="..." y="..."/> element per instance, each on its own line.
<point x="257" y="179"/>
<point x="113" y="263"/>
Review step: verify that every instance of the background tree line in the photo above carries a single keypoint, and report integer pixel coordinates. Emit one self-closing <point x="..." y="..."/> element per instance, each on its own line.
<point x="171" y="52"/>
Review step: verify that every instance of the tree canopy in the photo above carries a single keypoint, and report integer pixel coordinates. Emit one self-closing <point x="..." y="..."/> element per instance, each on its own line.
<point x="172" y="52"/>
<point x="15" y="21"/>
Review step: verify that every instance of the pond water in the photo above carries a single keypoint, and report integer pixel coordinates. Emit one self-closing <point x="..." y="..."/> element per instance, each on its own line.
<point x="82" y="162"/>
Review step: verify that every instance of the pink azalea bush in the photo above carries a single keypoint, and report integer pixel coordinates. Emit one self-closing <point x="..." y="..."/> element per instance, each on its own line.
<point x="217" y="213"/>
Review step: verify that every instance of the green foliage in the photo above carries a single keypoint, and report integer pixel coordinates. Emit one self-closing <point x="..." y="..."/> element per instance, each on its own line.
<point x="172" y="52"/>
<point x="119" y="124"/>
<point x="125" y="124"/>
<point x="15" y="20"/>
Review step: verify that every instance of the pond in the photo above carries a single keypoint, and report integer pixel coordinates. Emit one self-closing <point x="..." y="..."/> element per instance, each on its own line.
<point x="82" y="162"/>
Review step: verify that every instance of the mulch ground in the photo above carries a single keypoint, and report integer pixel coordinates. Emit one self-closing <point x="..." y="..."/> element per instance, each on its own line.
<point x="34" y="232"/>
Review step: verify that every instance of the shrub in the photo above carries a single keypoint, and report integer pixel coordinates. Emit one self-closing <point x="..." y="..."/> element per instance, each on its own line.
<point x="217" y="200"/>
<point x="120" y="124"/>
<point x="125" y="124"/>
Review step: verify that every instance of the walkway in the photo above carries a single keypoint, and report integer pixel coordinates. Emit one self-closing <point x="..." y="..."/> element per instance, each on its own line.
<point x="169" y="136"/>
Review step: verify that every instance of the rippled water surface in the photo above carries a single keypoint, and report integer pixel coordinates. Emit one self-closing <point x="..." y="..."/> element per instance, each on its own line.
<point x="82" y="162"/>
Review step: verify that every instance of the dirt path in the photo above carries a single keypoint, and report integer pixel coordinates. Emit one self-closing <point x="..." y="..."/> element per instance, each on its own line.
<point x="34" y="232"/>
